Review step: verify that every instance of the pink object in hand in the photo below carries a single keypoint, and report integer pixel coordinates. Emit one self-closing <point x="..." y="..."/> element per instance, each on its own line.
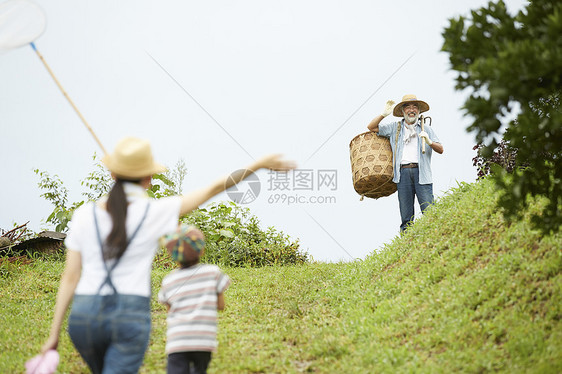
<point x="43" y="364"/>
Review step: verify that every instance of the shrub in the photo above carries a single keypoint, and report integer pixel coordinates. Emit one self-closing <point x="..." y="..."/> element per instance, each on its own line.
<point x="504" y="156"/>
<point x="234" y="238"/>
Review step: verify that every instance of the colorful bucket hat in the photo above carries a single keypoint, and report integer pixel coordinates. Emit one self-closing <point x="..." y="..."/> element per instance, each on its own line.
<point x="185" y="245"/>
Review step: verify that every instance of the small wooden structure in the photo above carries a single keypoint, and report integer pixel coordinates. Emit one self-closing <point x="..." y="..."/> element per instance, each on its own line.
<point x="46" y="242"/>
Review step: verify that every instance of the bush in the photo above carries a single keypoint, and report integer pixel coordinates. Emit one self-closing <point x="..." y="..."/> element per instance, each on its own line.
<point x="234" y="238"/>
<point x="504" y="156"/>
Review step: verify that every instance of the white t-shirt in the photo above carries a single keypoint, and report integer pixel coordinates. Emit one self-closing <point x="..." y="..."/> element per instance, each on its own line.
<point x="410" y="152"/>
<point x="131" y="276"/>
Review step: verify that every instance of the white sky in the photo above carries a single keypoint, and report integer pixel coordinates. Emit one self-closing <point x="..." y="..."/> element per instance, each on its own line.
<point x="277" y="76"/>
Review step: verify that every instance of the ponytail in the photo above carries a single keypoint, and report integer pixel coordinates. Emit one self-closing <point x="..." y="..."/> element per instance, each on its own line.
<point x="116" y="242"/>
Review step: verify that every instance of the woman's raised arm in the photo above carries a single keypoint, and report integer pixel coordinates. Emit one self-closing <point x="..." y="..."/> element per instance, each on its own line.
<point x="193" y="200"/>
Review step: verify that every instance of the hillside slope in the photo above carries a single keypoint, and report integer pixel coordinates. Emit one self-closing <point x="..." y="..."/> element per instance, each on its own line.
<point x="462" y="291"/>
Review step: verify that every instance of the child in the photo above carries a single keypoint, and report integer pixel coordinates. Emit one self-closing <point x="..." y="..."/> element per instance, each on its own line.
<point x="193" y="294"/>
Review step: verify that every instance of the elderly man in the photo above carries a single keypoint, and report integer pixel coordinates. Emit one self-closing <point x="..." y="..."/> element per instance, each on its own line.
<point x="412" y="167"/>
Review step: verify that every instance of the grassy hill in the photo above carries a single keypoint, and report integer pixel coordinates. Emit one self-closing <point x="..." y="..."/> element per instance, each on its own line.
<point x="461" y="291"/>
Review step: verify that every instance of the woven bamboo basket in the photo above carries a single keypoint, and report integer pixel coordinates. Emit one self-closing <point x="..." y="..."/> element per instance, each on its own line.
<point x="371" y="165"/>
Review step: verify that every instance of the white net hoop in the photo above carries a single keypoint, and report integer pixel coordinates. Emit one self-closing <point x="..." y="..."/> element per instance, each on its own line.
<point x="21" y="22"/>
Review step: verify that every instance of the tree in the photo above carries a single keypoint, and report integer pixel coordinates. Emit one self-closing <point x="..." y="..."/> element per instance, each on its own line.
<point x="512" y="66"/>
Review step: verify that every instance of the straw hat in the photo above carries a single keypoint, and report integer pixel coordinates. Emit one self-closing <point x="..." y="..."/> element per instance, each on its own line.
<point x="132" y="158"/>
<point x="424" y="107"/>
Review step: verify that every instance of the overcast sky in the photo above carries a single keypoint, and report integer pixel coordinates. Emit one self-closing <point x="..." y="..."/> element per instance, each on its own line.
<point x="221" y="83"/>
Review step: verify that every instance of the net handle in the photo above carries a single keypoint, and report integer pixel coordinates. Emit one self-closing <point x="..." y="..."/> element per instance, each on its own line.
<point x="68" y="97"/>
<point x="422" y="120"/>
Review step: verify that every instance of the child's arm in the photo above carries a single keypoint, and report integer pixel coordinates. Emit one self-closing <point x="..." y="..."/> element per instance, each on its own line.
<point x="167" y="305"/>
<point x="220" y="301"/>
<point x="162" y="300"/>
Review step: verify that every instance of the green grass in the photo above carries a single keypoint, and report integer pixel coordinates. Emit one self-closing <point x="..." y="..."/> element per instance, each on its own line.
<point x="461" y="291"/>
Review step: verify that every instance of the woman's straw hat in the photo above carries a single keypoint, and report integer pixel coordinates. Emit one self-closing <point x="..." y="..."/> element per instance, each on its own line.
<point x="408" y="99"/>
<point x="132" y="158"/>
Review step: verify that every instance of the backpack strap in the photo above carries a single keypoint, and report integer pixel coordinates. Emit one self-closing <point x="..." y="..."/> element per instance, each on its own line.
<point x="397" y="133"/>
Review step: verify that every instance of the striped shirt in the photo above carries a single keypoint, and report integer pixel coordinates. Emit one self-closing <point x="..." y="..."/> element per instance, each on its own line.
<point x="192" y="294"/>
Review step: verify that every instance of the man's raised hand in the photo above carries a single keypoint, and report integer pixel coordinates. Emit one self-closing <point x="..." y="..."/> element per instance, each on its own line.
<point x="388" y="108"/>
